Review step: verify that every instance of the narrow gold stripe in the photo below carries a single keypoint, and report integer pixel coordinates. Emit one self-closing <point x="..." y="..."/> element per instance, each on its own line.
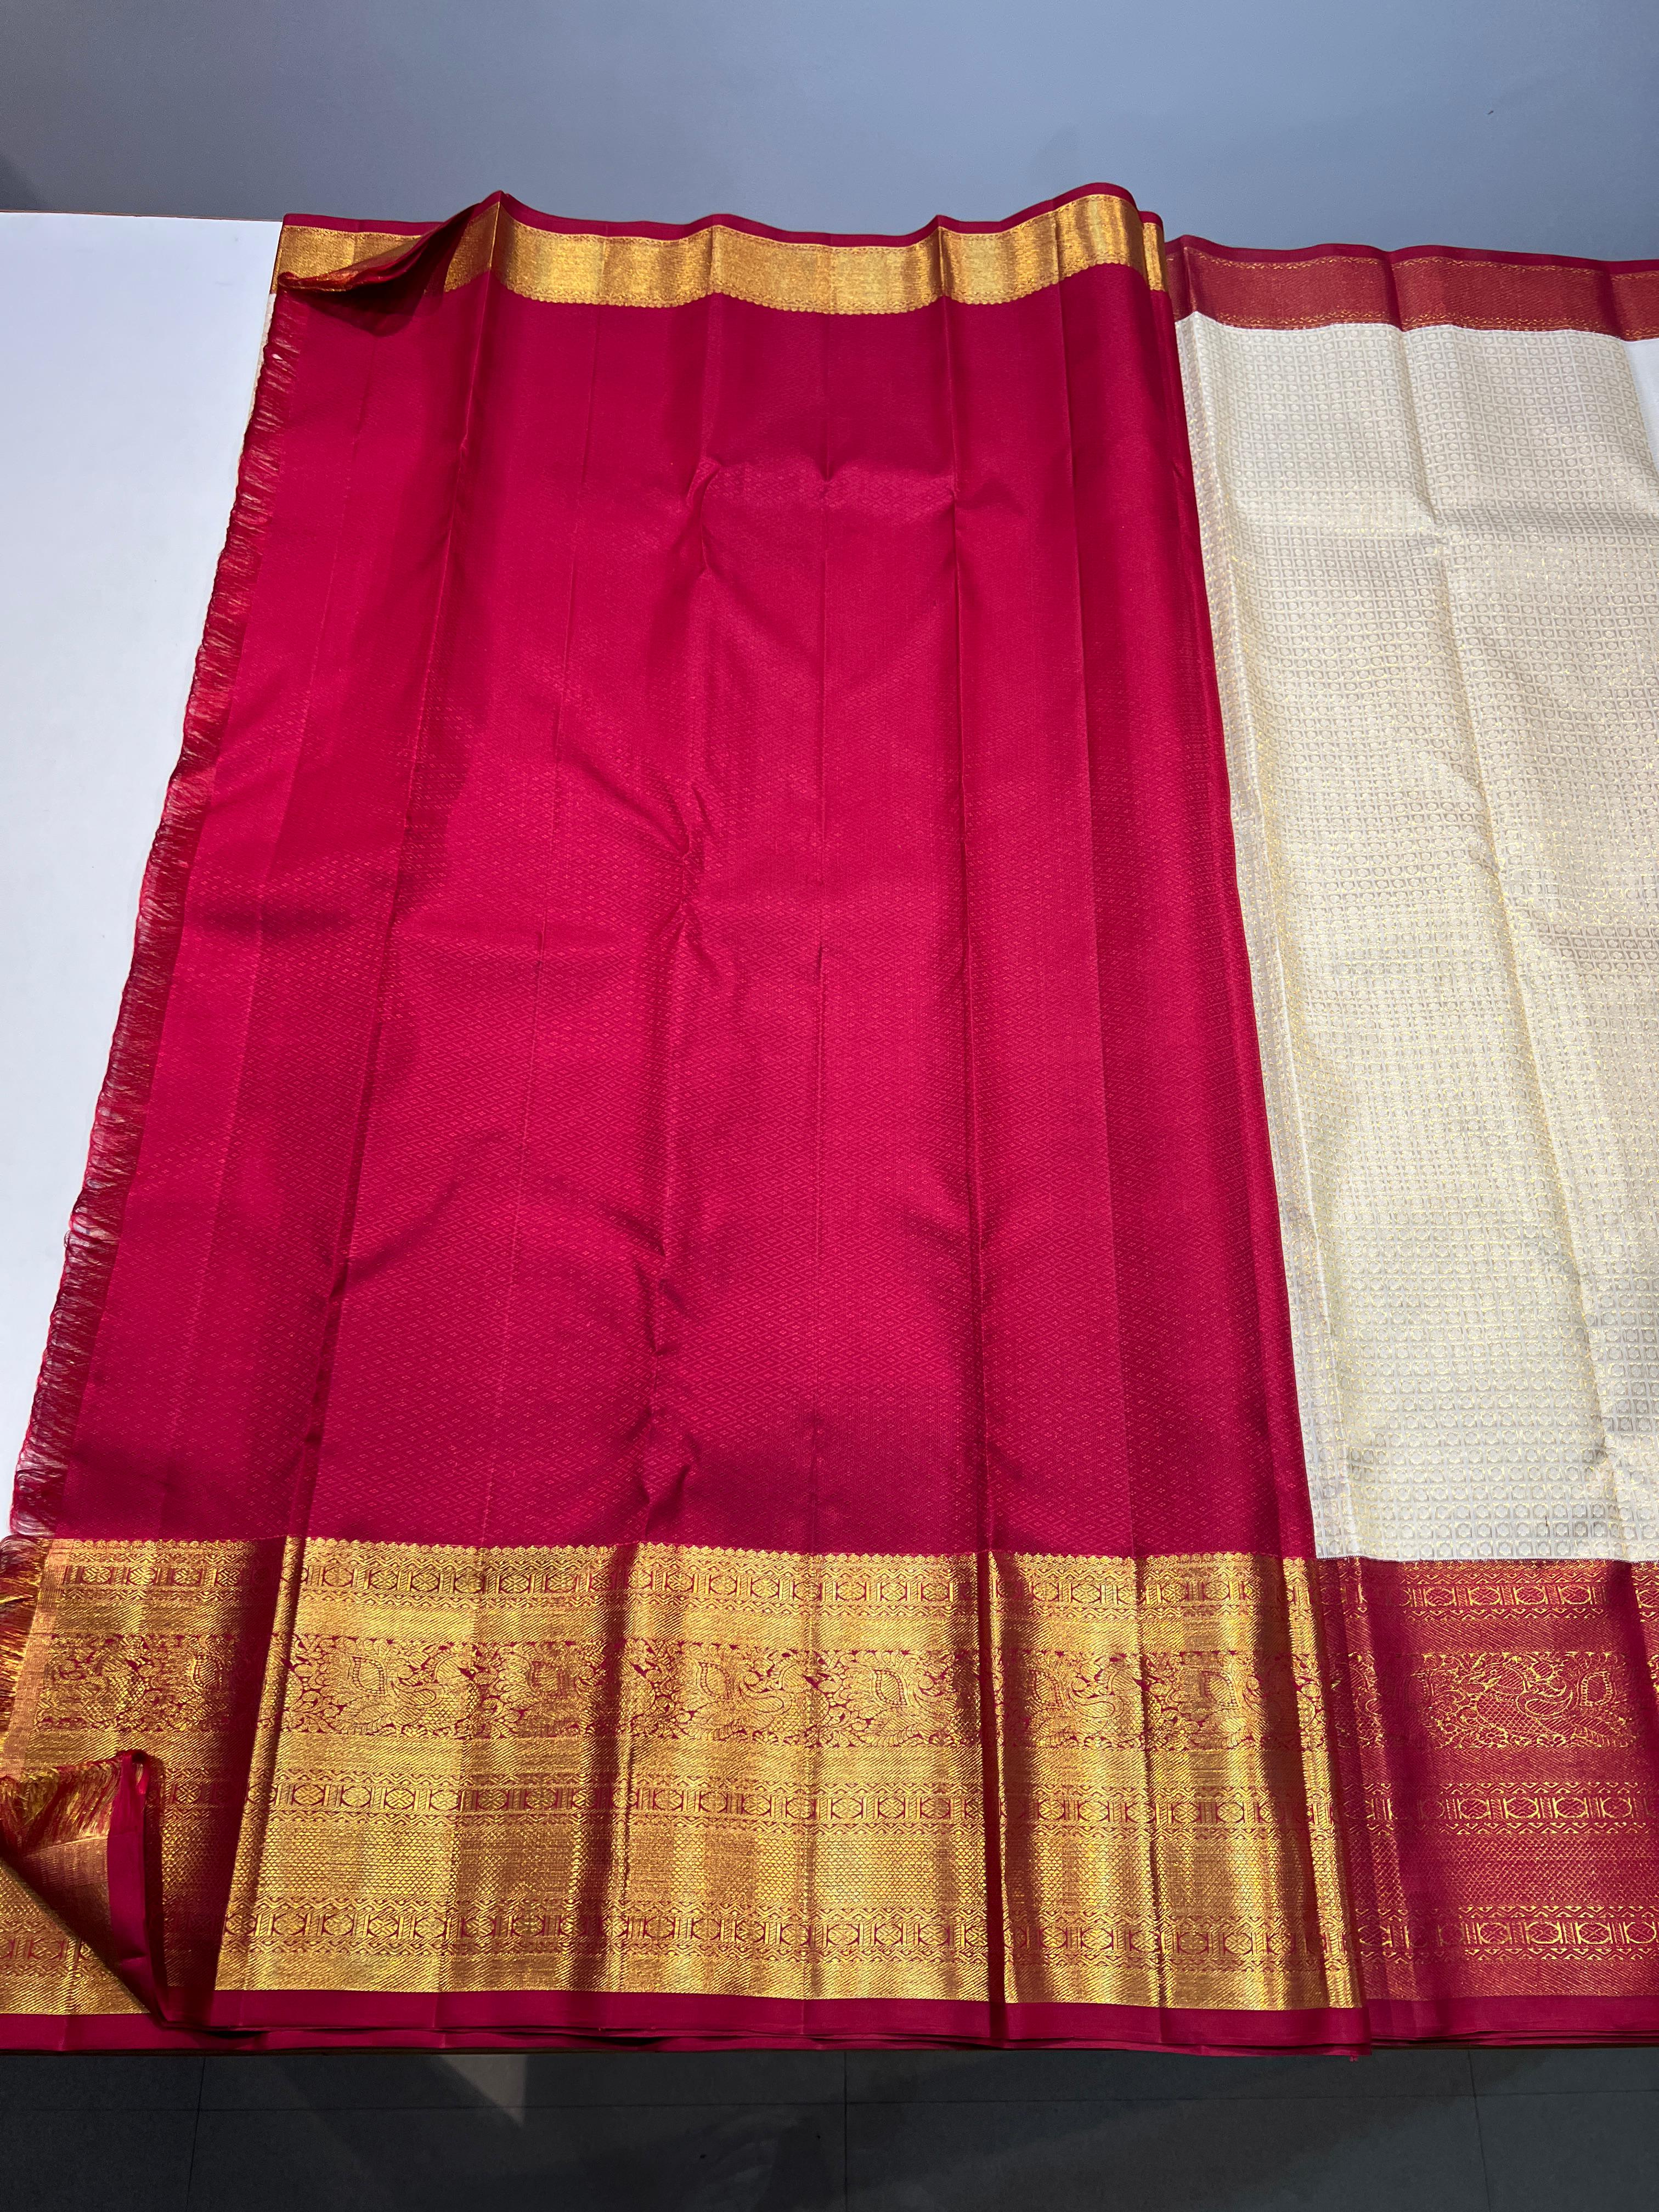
<point x="979" y="268"/>
<point x="1151" y="233"/>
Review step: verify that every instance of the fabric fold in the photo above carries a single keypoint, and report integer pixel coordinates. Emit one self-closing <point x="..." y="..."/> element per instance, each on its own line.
<point x="691" y="1433"/>
<point x="85" y="1841"/>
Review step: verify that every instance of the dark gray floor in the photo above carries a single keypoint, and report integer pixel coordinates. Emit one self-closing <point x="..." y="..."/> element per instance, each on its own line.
<point x="791" y="2132"/>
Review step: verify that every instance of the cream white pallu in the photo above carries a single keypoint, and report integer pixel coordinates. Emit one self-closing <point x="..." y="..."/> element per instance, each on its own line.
<point x="1430" y="518"/>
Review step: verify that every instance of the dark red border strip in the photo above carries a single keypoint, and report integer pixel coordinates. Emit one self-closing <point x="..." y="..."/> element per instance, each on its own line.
<point x="1319" y="285"/>
<point x="301" y="2019"/>
<point x="553" y="2020"/>
<point x="1515" y="2020"/>
<point x="133" y="1872"/>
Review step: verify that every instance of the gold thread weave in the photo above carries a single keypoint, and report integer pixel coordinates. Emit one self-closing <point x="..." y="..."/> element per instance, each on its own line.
<point x="663" y="1770"/>
<point x="799" y="276"/>
<point x="308" y="250"/>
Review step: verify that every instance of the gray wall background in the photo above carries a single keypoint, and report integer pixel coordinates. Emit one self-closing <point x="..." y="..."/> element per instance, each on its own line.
<point x="1530" y="125"/>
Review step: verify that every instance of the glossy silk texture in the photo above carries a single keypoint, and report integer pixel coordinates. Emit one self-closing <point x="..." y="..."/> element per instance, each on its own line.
<point x="712" y="1006"/>
<point x="695" y="999"/>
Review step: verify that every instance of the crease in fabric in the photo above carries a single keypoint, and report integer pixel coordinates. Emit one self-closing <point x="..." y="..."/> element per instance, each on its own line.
<point x="1151" y="1869"/>
<point x="1504" y="930"/>
<point x="990" y="1703"/>
<point x="251" y="1842"/>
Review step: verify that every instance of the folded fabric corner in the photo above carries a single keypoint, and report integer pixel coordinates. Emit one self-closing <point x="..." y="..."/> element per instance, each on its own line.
<point x="83" y="1840"/>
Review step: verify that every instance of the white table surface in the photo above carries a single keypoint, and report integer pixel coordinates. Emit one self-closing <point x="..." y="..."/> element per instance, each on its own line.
<point x="128" y="349"/>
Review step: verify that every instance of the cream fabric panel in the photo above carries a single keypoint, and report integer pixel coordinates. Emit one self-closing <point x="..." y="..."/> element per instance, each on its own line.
<point x="1434" y="569"/>
<point x="1643" y="355"/>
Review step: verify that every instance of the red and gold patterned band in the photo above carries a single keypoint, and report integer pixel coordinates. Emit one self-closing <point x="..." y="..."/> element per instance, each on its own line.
<point x="1307" y="289"/>
<point x="643" y="266"/>
<point x="682" y="1772"/>
<point x="1317" y="286"/>
<point x="538" y="1786"/>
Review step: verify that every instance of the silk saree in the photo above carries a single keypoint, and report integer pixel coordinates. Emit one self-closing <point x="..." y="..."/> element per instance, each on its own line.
<point x="865" y="1261"/>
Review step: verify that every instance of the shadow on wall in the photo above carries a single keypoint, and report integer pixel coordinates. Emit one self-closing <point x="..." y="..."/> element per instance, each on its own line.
<point x="17" y="195"/>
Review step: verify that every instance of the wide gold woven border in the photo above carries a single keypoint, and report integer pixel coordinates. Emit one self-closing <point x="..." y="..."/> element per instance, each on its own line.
<point x="697" y="1771"/>
<point x="799" y="276"/>
<point x="706" y="1773"/>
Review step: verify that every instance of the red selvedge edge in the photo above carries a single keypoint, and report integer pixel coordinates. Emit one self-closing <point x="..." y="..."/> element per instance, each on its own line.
<point x="1317" y="286"/>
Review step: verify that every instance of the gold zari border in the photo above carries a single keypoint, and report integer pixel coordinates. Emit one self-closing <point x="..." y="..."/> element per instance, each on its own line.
<point x="307" y="251"/>
<point x="798" y="276"/>
<point x="656" y="1770"/>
